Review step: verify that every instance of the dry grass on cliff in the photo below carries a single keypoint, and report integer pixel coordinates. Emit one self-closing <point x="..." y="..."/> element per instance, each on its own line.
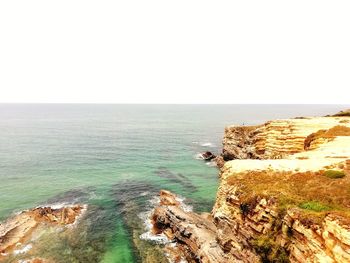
<point x="305" y="190"/>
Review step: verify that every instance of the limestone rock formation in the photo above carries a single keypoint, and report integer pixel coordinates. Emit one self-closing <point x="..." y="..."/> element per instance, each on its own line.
<point x="283" y="197"/>
<point x="275" y="139"/>
<point x="195" y="234"/>
<point x="207" y="156"/>
<point x="18" y="228"/>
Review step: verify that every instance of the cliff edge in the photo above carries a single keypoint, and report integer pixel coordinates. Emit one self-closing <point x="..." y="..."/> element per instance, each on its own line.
<point x="283" y="197"/>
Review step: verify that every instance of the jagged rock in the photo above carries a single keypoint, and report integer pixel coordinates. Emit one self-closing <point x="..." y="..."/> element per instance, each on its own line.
<point x="267" y="171"/>
<point x="207" y="156"/>
<point x="301" y="240"/>
<point x="238" y="142"/>
<point x="275" y="139"/>
<point x="197" y="233"/>
<point x="304" y="148"/>
<point x="343" y="113"/>
<point x="18" y="228"/>
<point x="219" y="160"/>
<point x="168" y="198"/>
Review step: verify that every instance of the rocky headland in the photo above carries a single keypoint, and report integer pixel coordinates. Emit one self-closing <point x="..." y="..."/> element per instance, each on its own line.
<point x="16" y="233"/>
<point x="284" y="196"/>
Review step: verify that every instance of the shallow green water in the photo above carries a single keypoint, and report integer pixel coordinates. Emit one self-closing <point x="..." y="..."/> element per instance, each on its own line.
<point x="114" y="158"/>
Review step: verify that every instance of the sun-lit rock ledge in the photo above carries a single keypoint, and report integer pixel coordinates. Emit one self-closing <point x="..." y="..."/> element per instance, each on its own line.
<point x="19" y="229"/>
<point x="276" y="139"/>
<point x="283" y="197"/>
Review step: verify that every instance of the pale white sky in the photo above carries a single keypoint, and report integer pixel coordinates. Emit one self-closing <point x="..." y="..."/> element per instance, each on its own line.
<point x="179" y="51"/>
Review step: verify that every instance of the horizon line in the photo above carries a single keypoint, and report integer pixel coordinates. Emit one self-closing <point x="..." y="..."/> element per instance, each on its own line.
<point x="158" y="103"/>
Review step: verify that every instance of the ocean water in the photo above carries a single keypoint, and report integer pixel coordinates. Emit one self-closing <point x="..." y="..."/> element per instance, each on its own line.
<point x="115" y="158"/>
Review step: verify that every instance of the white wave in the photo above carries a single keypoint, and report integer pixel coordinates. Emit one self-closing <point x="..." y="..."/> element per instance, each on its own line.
<point x="57" y="205"/>
<point x="198" y="156"/>
<point x="148" y="235"/>
<point x="155" y="201"/>
<point x="23" y="250"/>
<point x="94" y="196"/>
<point x="160" y="239"/>
<point x="144" y="193"/>
<point x="211" y="164"/>
<point x="207" y="144"/>
<point x="185" y="207"/>
<point x="146" y="218"/>
<point x="54" y="205"/>
<point x="78" y="217"/>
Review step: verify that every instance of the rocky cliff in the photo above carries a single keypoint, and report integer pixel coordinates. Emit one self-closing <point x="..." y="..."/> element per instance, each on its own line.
<point x="283" y="197"/>
<point x="275" y="139"/>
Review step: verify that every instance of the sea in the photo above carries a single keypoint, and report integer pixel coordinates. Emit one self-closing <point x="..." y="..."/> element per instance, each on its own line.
<point x="116" y="159"/>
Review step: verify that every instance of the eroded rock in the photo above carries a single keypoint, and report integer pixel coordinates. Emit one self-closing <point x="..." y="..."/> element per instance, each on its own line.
<point x="19" y="228"/>
<point x="207" y="156"/>
<point x="275" y="139"/>
<point x="274" y="203"/>
<point x="196" y="234"/>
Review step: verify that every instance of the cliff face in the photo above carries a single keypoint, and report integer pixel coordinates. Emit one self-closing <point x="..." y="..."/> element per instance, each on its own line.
<point x="283" y="197"/>
<point x="278" y="233"/>
<point x="274" y="139"/>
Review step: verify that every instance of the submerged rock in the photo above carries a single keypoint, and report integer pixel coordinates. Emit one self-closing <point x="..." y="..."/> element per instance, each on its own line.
<point x="207" y="156"/>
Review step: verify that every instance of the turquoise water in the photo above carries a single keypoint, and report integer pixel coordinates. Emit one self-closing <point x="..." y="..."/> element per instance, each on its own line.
<point x="115" y="158"/>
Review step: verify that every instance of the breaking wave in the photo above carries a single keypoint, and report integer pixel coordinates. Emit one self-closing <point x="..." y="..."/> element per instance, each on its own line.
<point x="146" y="218"/>
<point x="207" y="144"/>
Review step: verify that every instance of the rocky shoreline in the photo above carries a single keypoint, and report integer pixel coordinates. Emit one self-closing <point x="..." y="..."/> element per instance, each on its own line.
<point x="283" y="197"/>
<point x="17" y="231"/>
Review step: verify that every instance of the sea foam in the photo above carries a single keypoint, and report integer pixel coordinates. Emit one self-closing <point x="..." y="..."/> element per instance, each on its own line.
<point x="207" y="144"/>
<point x="146" y="218"/>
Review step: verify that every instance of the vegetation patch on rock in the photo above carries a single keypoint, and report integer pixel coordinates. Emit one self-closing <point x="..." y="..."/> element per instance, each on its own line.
<point x="334" y="174"/>
<point x="314" y="206"/>
<point x="270" y="250"/>
<point x="308" y="190"/>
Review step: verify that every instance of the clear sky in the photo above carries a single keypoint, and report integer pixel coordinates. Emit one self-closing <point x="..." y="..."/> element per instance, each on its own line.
<point x="175" y="51"/>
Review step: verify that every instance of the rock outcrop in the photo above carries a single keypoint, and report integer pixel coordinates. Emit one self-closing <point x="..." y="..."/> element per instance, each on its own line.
<point x="275" y="227"/>
<point x="207" y="156"/>
<point x="275" y="139"/>
<point x="19" y="228"/>
<point x="277" y="200"/>
<point x="195" y="234"/>
<point x="342" y="113"/>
